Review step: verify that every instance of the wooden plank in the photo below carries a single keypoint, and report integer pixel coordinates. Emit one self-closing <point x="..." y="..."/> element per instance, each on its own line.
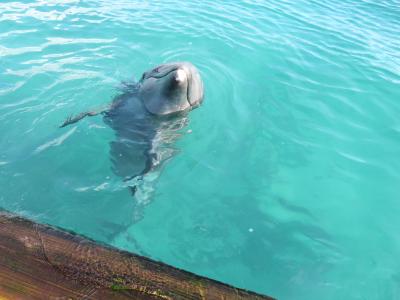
<point x="42" y="262"/>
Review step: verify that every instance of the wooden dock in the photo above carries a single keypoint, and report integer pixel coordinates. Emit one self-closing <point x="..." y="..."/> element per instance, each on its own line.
<point x="42" y="262"/>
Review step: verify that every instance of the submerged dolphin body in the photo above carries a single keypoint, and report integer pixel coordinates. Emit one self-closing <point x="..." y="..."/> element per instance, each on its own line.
<point x="147" y="119"/>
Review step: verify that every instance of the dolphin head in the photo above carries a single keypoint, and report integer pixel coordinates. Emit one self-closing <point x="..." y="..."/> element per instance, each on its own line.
<point x="171" y="88"/>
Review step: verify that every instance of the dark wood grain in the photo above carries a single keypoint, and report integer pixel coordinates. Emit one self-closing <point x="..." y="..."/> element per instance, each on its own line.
<point x="42" y="262"/>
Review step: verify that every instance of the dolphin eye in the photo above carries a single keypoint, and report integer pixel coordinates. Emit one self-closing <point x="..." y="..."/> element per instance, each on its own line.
<point x="156" y="70"/>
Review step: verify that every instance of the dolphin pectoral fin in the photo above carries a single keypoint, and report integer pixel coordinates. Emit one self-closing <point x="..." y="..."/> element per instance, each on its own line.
<point x="151" y="163"/>
<point x="70" y="120"/>
<point x="136" y="179"/>
<point x="131" y="178"/>
<point x="73" y="119"/>
<point x="133" y="189"/>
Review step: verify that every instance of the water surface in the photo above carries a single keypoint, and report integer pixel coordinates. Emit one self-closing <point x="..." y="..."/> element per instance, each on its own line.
<point x="288" y="183"/>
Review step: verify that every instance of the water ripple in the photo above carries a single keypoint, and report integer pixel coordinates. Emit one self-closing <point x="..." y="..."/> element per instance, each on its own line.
<point x="297" y="139"/>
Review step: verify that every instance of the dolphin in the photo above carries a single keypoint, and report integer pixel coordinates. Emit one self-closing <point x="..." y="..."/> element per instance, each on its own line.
<point x="148" y="118"/>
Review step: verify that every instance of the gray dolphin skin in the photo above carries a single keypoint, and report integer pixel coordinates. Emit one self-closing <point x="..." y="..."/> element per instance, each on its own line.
<point x="148" y="117"/>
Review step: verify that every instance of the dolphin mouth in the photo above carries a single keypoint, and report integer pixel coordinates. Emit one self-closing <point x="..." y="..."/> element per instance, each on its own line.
<point x="189" y="83"/>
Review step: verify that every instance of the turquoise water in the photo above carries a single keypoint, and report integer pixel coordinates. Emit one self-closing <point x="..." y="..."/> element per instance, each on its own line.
<point x="288" y="183"/>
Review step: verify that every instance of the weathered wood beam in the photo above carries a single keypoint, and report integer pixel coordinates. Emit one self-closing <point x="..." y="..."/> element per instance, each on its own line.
<point x="42" y="262"/>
